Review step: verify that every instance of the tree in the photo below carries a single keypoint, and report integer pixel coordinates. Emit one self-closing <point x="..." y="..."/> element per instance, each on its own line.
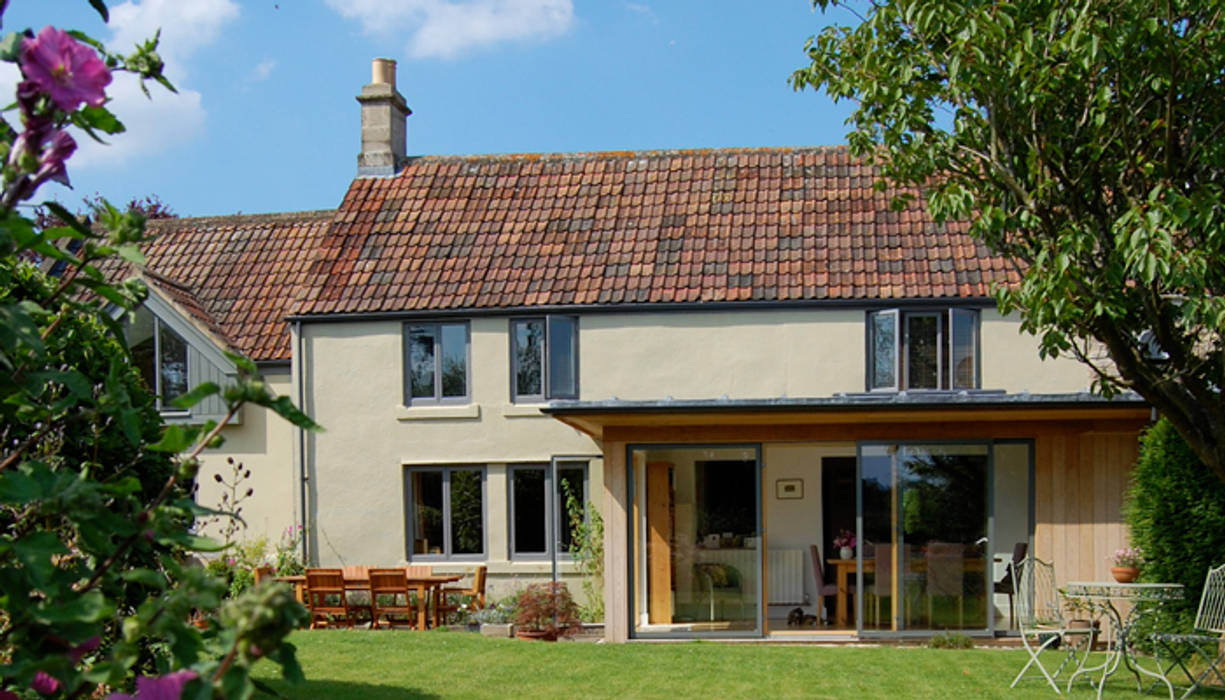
<point x="95" y="492"/>
<point x="1083" y="141"/>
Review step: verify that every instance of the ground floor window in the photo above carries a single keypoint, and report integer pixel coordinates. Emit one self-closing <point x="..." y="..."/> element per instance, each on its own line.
<point x="446" y="512"/>
<point x="696" y="540"/>
<point x="538" y="517"/>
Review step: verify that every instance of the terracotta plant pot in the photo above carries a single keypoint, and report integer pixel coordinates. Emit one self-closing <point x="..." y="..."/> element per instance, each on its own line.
<point x="1124" y="574"/>
<point x="540" y="635"/>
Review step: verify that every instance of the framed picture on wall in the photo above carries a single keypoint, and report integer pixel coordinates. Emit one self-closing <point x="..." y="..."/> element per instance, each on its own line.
<point x="789" y="488"/>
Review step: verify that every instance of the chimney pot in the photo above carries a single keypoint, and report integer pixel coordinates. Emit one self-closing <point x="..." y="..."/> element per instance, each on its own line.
<point x="383" y="71"/>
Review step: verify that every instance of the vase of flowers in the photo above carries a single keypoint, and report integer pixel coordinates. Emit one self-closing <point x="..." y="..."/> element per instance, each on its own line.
<point x="1127" y="563"/>
<point x="845" y="542"/>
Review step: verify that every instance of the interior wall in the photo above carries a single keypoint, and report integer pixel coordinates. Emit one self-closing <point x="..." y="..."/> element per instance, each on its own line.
<point x="795" y="523"/>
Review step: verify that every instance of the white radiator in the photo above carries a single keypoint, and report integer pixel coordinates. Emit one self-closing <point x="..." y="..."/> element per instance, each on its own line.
<point x="786" y="576"/>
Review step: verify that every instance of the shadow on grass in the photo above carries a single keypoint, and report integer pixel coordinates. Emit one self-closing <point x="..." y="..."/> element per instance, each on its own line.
<point x="340" y="690"/>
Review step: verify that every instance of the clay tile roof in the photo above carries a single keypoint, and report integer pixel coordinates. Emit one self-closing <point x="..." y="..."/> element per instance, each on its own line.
<point x="236" y="276"/>
<point x="487" y="232"/>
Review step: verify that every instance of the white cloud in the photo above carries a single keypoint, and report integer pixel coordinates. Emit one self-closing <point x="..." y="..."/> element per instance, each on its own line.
<point x="644" y="10"/>
<point x="186" y="25"/>
<point x="262" y="71"/>
<point x="444" y="28"/>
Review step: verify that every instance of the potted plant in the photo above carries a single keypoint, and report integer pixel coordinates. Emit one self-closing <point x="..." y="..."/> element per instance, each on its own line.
<point x="845" y="542"/>
<point x="1127" y="563"/>
<point x="546" y="611"/>
<point x="495" y="619"/>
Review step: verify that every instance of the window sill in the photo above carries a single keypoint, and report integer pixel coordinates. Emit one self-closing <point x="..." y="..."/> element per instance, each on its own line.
<point x="407" y="413"/>
<point x="524" y="410"/>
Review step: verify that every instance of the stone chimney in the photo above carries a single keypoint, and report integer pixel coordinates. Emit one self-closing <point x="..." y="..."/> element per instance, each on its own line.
<point x="384" y="133"/>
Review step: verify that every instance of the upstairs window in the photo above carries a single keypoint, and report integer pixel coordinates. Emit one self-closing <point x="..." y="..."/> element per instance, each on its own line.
<point x="923" y="349"/>
<point x="544" y="358"/>
<point x="161" y="356"/>
<point x="435" y="363"/>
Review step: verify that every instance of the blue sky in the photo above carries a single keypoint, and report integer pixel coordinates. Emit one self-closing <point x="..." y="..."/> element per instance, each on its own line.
<point x="266" y="118"/>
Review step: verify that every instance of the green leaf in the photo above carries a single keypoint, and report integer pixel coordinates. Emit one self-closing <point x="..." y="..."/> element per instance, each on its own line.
<point x="244" y="365"/>
<point x="147" y="577"/>
<point x="100" y="6"/>
<point x="10" y="47"/>
<point x="196" y="395"/>
<point x="99" y="118"/>
<point x="18" y="488"/>
<point x="195" y="543"/>
<point x="69" y="219"/>
<point x="91" y="606"/>
<point x="176" y="438"/>
<point x="285" y="409"/>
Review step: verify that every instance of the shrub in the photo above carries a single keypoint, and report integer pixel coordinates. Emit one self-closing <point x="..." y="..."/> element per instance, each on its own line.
<point x="548" y="608"/>
<point x="950" y="640"/>
<point x="1175" y="509"/>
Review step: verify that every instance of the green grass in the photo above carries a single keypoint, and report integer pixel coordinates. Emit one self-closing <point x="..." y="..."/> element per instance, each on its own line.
<point x="448" y="664"/>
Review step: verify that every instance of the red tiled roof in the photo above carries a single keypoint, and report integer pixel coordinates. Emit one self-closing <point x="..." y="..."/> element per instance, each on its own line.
<point x="487" y="232"/>
<point x="236" y="276"/>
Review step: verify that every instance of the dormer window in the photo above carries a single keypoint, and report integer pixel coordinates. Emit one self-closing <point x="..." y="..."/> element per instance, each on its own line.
<point x="161" y="356"/>
<point x="930" y="349"/>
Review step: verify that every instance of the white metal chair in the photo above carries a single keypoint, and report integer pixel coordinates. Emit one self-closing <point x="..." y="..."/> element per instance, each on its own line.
<point x="1040" y="620"/>
<point x="1205" y="640"/>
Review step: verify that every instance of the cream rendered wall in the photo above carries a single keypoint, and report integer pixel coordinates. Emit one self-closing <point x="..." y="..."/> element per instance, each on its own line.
<point x="263" y="443"/>
<point x="1010" y="360"/>
<point x="706" y="354"/>
<point x="354" y="376"/>
<point x="777" y="352"/>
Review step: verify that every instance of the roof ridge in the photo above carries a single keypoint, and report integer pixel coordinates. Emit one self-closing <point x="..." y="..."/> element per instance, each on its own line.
<point x="239" y="219"/>
<point x="629" y="154"/>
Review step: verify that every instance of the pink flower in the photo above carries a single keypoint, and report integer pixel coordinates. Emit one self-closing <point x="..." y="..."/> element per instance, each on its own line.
<point x="44" y="683"/>
<point x="51" y="167"/>
<point x="167" y="687"/>
<point x="64" y="68"/>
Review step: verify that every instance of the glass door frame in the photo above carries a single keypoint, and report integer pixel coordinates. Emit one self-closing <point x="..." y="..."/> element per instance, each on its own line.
<point x="635" y="567"/>
<point x="989" y="444"/>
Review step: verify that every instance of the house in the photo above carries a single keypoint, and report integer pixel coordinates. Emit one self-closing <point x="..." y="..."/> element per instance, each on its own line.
<point x="735" y="353"/>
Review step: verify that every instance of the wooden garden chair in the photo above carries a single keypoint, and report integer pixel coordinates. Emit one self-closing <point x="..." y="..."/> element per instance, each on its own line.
<point x="1204" y="641"/>
<point x="476" y="593"/>
<point x="325" y="596"/>
<point x="389" y="597"/>
<point x="1039" y="612"/>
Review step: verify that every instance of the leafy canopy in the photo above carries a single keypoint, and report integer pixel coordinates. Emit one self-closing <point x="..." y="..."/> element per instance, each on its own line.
<point x="1083" y="141"/>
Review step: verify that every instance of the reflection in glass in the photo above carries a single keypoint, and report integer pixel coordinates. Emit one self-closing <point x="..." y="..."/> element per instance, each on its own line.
<point x="421" y="361"/>
<point x="884" y="350"/>
<point x="454" y="360"/>
<point x="922" y="351"/>
<point x="563" y="360"/>
<point x="965" y="354"/>
<point x="172" y="364"/>
<point x="925" y="527"/>
<point x="467" y="512"/>
<point x="529" y="348"/>
<point x="698" y="548"/>
<point x="569" y="482"/>
<point x="527" y="487"/>
<point x="427" y="512"/>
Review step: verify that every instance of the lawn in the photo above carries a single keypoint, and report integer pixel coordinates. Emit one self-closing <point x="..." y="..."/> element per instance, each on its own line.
<point x="449" y="664"/>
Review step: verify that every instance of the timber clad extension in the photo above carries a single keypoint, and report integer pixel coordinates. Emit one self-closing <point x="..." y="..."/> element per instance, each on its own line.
<point x="736" y="354"/>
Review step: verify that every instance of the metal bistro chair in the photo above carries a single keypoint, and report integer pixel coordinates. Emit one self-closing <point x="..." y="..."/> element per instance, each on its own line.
<point x="1205" y="640"/>
<point x="1040" y="620"/>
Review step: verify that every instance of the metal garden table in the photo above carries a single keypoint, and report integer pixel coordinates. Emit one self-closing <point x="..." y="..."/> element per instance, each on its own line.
<point x="1100" y="597"/>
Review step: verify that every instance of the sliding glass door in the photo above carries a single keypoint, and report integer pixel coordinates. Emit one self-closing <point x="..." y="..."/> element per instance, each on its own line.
<point x="696" y="534"/>
<point x="925" y="521"/>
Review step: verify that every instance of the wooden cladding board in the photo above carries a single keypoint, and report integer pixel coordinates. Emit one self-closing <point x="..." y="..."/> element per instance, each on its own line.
<point x="659" y="542"/>
<point x="1079" y="482"/>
